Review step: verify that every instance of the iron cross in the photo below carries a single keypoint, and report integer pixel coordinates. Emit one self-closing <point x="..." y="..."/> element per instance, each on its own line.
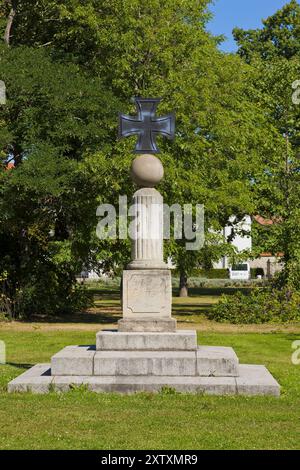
<point x="146" y="125"/>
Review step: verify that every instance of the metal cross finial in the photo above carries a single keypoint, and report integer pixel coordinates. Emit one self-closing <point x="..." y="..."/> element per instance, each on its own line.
<point x="146" y="125"/>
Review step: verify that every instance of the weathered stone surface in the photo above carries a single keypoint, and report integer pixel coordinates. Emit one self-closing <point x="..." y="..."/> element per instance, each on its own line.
<point x="146" y="293"/>
<point x="146" y="230"/>
<point x="253" y="380"/>
<point x="128" y="385"/>
<point x="169" y="363"/>
<point x="134" y="384"/>
<point x="183" y="340"/>
<point x="256" y="380"/>
<point x="36" y="380"/>
<point x="154" y="325"/>
<point x="64" y="383"/>
<point x="207" y="362"/>
<point x="215" y="361"/>
<point x="74" y="360"/>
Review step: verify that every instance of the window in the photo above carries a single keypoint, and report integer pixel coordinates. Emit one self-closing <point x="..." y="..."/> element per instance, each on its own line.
<point x="240" y="267"/>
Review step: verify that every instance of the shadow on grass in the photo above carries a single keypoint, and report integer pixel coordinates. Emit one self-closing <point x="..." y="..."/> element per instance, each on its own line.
<point x="19" y="365"/>
<point x="109" y="294"/>
<point x="82" y="317"/>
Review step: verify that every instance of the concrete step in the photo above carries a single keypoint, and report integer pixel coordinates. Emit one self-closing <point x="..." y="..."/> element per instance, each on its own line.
<point x="215" y="361"/>
<point x="206" y="361"/>
<point x="74" y="360"/>
<point x="183" y="340"/>
<point x="120" y="363"/>
<point x="252" y="380"/>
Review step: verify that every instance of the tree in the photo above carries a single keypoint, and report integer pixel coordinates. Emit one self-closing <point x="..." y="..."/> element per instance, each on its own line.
<point x="54" y="116"/>
<point x="274" y="53"/>
<point x="221" y="136"/>
<point x="12" y="4"/>
<point x="279" y="36"/>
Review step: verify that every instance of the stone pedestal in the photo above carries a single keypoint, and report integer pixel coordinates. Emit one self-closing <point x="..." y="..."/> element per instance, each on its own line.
<point x="146" y="301"/>
<point x="146" y="283"/>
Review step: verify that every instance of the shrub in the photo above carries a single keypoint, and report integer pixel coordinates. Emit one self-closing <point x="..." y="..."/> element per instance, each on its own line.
<point x="5" y="308"/>
<point x="260" y="306"/>
<point x="3" y="317"/>
<point x="212" y="273"/>
<point x="206" y="273"/>
<point x="58" y="296"/>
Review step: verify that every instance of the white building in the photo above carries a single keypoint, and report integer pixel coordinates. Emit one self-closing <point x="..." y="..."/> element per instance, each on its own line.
<point x="266" y="264"/>
<point x="241" y="238"/>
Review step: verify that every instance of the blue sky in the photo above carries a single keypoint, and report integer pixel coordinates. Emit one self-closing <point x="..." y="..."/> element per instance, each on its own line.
<point x="246" y="14"/>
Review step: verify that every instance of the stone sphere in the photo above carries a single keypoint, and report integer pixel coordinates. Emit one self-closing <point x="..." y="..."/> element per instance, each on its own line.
<point x="147" y="171"/>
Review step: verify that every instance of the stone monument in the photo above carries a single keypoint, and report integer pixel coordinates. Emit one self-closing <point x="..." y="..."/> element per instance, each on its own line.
<point x="147" y="352"/>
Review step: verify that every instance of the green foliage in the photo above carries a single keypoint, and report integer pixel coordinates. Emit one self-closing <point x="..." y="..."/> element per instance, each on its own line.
<point x="279" y="36"/>
<point x="260" y="306"/>
<point x="51" y="103"/>
<point x="273" y="52"/>
<point x="60" y="124"/>
<point x="70" y="67"/>
<point x="55" y="114"/>
<point x="51" y="292"/>
<point x="207" y="273"/>
<point x="213" y="273"/>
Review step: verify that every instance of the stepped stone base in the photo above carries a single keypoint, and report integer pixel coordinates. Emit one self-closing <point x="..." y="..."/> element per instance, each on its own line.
<point x="129" y="362"/>
<point x="141" y="341"/>
<point x="252" y="380"/>
<point x="206" y="361"/>
<point x="149" y="325"/>
<point x="74" y="360"/>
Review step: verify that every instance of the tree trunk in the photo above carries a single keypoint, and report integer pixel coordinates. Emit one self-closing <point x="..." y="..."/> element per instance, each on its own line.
<point x="183" y="285"/>
<point x="10" y="21"/>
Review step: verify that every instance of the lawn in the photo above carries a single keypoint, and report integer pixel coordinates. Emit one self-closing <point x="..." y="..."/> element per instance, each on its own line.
<point x="85" y="420"/>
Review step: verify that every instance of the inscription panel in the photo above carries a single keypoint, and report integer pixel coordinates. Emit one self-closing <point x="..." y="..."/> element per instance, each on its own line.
<point x="147" y="293"/>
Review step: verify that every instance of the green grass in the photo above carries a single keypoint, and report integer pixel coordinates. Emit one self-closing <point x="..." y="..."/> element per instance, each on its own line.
<point x="85" y="420"/>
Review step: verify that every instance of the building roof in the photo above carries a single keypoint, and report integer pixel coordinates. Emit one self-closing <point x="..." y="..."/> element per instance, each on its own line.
<point x="270" y="255"/>
<point x="267" y="222"/>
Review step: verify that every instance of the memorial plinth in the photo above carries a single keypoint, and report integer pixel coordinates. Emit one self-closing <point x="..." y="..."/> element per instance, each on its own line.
<point x="146" y="281"/>
<point x="147" y="353"/>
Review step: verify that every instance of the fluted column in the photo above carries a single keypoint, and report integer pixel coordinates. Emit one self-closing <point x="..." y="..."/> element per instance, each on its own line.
<point x="146" y="230"/>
